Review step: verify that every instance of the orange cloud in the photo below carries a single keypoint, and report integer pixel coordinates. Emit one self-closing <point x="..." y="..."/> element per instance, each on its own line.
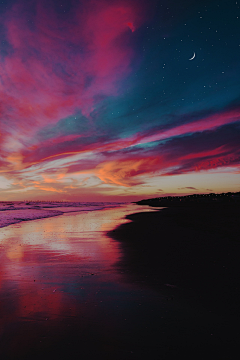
<point x="124" y="172"/>
<point x="16" y="159"/>
<point x="48" y="188"/>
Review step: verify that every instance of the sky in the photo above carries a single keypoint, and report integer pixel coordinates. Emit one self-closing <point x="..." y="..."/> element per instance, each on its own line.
<point x="118" y="100"/>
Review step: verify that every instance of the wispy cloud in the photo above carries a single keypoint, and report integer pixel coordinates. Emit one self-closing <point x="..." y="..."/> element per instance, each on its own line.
<point x="83" y="102"/>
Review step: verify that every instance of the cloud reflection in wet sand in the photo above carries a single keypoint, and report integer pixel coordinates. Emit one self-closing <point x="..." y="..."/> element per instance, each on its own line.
<point x="56" y="271"/>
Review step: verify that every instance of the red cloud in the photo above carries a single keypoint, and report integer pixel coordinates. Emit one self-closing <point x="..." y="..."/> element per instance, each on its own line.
<point x="228" y="160"/>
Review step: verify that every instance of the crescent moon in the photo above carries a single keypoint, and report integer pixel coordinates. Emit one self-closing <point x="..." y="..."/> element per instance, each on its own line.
<point x="194" y="55"/>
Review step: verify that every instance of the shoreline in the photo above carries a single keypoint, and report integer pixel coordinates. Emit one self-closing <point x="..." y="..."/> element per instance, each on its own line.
<point x="17" y="212"/>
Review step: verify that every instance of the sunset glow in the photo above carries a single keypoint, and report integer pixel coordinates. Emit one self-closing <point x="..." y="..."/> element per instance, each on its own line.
<point x="99" y="100"/>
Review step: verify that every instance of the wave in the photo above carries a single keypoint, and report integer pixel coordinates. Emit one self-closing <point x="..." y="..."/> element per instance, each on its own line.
<point x="18" y="211"/>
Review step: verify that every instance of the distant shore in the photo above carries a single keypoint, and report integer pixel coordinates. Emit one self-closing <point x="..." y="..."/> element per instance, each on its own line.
<point x="193" y="199"/>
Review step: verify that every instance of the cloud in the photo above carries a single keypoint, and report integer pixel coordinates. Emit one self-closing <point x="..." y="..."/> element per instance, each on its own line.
<point x="117" y="163"/>
<point x="208" y="123"/>
<point x="126" y="172"/>
<point x="58" y="66"/>
<point x="190" y="153"/>
<point x="60" y="73"/>
<point x="187" y="187"/>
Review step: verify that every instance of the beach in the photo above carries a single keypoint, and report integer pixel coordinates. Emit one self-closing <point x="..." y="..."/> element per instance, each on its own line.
<point x="190" y="252"/>
<point x="123" y="282"/>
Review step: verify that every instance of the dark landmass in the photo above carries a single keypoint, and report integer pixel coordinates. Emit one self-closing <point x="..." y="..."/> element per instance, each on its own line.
<point x="229" y="198"/>
<point x="190" y="252"/>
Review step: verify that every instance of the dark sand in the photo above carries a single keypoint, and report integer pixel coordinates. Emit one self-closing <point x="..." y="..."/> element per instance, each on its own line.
<point x="190" y="253"/>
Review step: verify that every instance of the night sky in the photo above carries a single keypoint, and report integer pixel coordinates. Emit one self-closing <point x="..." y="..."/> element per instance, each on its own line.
<point x="119" y="100"/>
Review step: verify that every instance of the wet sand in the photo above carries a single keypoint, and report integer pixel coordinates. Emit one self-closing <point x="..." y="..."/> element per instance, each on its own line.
<point x="190" y="254"/>
<point x="61" y="295"/>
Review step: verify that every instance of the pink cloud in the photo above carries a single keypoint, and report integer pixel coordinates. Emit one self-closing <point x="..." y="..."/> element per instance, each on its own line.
<point x="70" y="145"/>
<point x="207" y="123"/>
<point x="57" y="66"/>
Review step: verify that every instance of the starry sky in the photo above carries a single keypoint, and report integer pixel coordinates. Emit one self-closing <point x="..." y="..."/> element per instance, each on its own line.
<point x="111" y="100"/>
